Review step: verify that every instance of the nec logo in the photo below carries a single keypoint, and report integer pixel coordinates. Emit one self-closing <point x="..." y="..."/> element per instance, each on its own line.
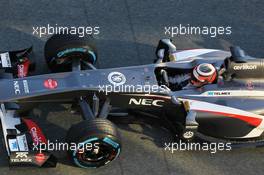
<point x="146" y="102"/>
<point x="16" y="87"/>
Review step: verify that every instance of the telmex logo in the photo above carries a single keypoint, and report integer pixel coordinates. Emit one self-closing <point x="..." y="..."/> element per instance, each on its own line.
<point x="21" y="157"/>
<point x="146" y="102"/>
<point x="21" y="154"/>
<point x="245" y="67"/>
<point x="219" y="93"/>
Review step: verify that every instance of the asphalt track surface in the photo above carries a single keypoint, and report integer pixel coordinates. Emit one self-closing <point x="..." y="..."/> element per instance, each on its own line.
<point x="129" y="31"/>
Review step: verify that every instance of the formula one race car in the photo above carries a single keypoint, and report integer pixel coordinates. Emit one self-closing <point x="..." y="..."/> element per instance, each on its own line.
<point x="212" y="92"/>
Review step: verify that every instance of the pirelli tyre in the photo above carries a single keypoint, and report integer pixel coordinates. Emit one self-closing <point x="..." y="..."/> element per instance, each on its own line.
<point x="61" y="49"/>
<point x="97" y="143"/>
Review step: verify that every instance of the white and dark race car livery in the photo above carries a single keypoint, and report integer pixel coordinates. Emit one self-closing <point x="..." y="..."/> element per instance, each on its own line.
<point x="230" y="108"/>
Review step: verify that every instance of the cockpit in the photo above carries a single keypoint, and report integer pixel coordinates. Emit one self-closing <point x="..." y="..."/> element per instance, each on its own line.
<point x="197" y="72"/>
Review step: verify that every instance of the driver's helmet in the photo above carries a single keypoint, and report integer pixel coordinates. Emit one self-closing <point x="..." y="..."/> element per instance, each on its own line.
<point x="203" y="74"/>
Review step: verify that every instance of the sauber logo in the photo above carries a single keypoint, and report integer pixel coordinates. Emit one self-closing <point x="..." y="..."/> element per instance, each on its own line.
<point x="146" y="102"/>
<point x="245" y="67"/>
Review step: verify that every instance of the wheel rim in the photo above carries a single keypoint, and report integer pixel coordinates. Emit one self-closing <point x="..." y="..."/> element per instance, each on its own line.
<point x="65" y="57"/>
<point x="103" y="151"/>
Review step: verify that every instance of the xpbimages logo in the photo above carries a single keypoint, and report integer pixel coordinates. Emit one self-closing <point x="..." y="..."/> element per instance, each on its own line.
<point x="60" y="146"/>
<point x="212" y="31"/>
<point x="147" y="89"/>
<point x="81" y="31"/>
<point x="117" y="84"/>
<point x="212" y="147"/>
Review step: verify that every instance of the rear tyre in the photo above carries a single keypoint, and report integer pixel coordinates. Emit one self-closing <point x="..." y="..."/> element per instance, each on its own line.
<point x="61" y="49"/>
<point x="97" y="140"/>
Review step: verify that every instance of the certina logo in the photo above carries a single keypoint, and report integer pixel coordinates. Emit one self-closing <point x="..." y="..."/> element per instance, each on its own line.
<point x="116" y="78"/>
<point x="146" y="102"/>
<point x="245" y="67"/>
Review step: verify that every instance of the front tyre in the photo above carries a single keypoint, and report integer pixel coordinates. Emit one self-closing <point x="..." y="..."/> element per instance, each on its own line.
<point x="61" y="49"/>
<point x="97" y="143"/>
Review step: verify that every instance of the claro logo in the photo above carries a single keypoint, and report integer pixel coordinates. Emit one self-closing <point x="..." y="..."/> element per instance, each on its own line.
<point x="146" y="102"/>
<point x="245" y="67"/>
<point x="34" y="134"/>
